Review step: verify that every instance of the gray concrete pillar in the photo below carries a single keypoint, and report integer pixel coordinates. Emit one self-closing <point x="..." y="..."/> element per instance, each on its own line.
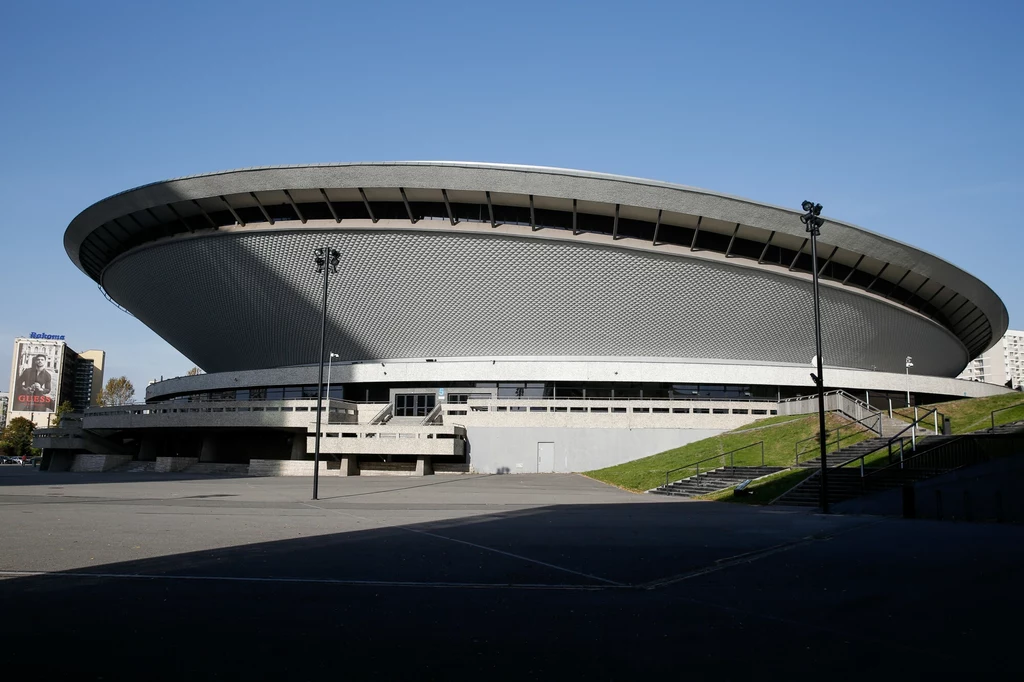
<point x="424" y="467"/>
<point x="208" y="453"/>
<point x="349" y="465"/>
<point x="299" y="446"/>
<point x="149" y="449"/>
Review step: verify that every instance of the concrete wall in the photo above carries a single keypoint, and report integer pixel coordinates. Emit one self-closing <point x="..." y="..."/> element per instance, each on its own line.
<point x="983" y="492"/>
<point x="96" y="463"/>
<point x="170" y="464"/>
<point x="607" y="414"/>
<point x="513" y="450"/>
<point x="574" y="369"/>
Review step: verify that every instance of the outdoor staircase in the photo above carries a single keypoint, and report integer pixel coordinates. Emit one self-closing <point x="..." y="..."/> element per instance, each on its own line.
<point x="840" y="457"/>
<point x="714" y="480"/>
<point x="136" y="468"/>
<point x="845" y="482"/>
<point x="216" y="468"/>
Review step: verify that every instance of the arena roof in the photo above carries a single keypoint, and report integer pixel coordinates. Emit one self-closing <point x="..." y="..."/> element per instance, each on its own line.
<point x="436" y="196"/>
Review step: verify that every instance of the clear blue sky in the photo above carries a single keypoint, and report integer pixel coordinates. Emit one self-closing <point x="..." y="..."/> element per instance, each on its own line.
<point x="902" y="117"/>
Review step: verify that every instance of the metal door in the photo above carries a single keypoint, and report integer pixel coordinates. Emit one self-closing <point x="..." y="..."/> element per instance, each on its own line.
<point x="545" y="458"/>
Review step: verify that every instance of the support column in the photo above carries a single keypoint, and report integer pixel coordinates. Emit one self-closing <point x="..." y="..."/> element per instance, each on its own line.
<point x="208" y="452"/>
<point x="299" y="446"/>
<point x="424" y="467"/>
<point x="149" y="448"/>
<point x="349" y="465"/>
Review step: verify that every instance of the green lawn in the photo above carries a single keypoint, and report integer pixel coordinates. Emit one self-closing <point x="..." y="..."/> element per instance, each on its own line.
<point x="971" y="414"/>
<point x="780" y="438"/>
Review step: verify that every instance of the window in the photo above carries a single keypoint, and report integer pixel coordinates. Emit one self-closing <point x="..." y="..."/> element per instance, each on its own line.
<point x="740" y="412"/>
<point x="720" y="410"/>
<point x="414" y="404"/>
<point x="680" y="410"/>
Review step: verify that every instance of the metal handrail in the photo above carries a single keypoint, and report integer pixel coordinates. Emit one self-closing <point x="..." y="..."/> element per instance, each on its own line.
<point x="732" y="461"/>
<point x="1003" y="409"/>
<point x="841" y="392"/>
<point x="837" y="430"/>
<point x="912" y="425"/>
<point x="903" y="462"/>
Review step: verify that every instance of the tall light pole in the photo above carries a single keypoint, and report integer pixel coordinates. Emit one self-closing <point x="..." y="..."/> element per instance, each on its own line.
<point x="326" y="260"/>
<point x="330" y="359"/>
<point x="813" y="221"/>
<point x="910" y="363"/>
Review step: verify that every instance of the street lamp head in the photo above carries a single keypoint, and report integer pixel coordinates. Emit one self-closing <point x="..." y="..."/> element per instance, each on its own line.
<point x="335" y="355"/>
<point x="810" y="218"/>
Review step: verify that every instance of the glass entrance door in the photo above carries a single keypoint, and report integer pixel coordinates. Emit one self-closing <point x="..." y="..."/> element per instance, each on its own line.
<point x="414" y="404"/>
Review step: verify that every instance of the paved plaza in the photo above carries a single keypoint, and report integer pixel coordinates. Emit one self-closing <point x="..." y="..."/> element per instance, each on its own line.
<point x="483" y="577"/>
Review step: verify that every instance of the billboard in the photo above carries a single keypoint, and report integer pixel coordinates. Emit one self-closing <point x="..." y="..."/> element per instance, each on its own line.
<point x="36" y="376"/>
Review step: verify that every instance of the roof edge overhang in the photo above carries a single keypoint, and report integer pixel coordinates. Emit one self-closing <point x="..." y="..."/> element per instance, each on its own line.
<point x="541" y="181"/>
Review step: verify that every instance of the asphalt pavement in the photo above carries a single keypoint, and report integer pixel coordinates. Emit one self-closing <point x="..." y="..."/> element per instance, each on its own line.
<point x="129" y="576"/>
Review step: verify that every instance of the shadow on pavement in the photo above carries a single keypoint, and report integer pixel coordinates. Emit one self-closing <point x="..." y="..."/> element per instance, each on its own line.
<point x="591" y="592"/>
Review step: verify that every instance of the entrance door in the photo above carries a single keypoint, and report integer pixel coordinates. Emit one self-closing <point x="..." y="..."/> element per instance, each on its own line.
<point x="545" y="458"/>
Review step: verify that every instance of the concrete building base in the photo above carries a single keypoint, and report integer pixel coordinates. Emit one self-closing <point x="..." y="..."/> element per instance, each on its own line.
<point x="531" y="450"/>
<point x="97" y="463"/>
<point x="171" y="464"/>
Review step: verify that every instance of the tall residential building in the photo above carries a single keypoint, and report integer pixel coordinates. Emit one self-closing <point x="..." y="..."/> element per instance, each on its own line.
<point x="1001" y="363"/>
<point x="45" y="373"/>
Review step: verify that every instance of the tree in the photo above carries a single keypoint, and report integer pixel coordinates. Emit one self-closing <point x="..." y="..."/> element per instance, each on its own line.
<point x="118" y="391"/>
<point x="16" y="439"/>
<point x="62" y="410"/>
<point x="195" y="371"/>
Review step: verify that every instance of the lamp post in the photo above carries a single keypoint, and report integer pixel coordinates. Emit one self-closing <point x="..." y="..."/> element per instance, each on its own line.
<point x="910" y="363"/>
<point x="330" y="359"/>
<point x="813" y="221"/>
<point x="326" y="260"/>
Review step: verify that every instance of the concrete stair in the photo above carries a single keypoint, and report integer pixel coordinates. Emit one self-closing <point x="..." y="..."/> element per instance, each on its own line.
<point x="846" y="484"/>
<point x="136" y="467"/>
<point x="217" y="468"/>
<point x="839" y="457"/>
<point x="713" y="481"/>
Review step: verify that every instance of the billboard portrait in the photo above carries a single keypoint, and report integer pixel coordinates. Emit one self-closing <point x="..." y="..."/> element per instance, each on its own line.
<point x="36" y="377"/>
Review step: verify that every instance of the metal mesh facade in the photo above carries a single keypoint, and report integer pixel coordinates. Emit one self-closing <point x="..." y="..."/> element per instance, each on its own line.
<point x="241" y="300"/>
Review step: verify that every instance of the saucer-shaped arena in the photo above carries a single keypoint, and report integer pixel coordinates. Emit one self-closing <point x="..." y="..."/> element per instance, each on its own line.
<point x="517" y="273"/>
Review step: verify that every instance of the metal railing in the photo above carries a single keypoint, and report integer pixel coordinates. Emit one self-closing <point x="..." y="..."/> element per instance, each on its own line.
<point x="1004" y="409"/>
<point x="731" y="455"/>
<point x="899" y="437"/>
<point x="912" y="427"/>
<point x="835" y="401"/>
<point x="876" y="428"/>
<point x="959" y="452"/>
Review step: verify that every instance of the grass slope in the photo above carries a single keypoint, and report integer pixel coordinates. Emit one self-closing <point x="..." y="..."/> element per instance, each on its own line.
<point x="780" y="438"/>
<point x="971" y="414"/>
